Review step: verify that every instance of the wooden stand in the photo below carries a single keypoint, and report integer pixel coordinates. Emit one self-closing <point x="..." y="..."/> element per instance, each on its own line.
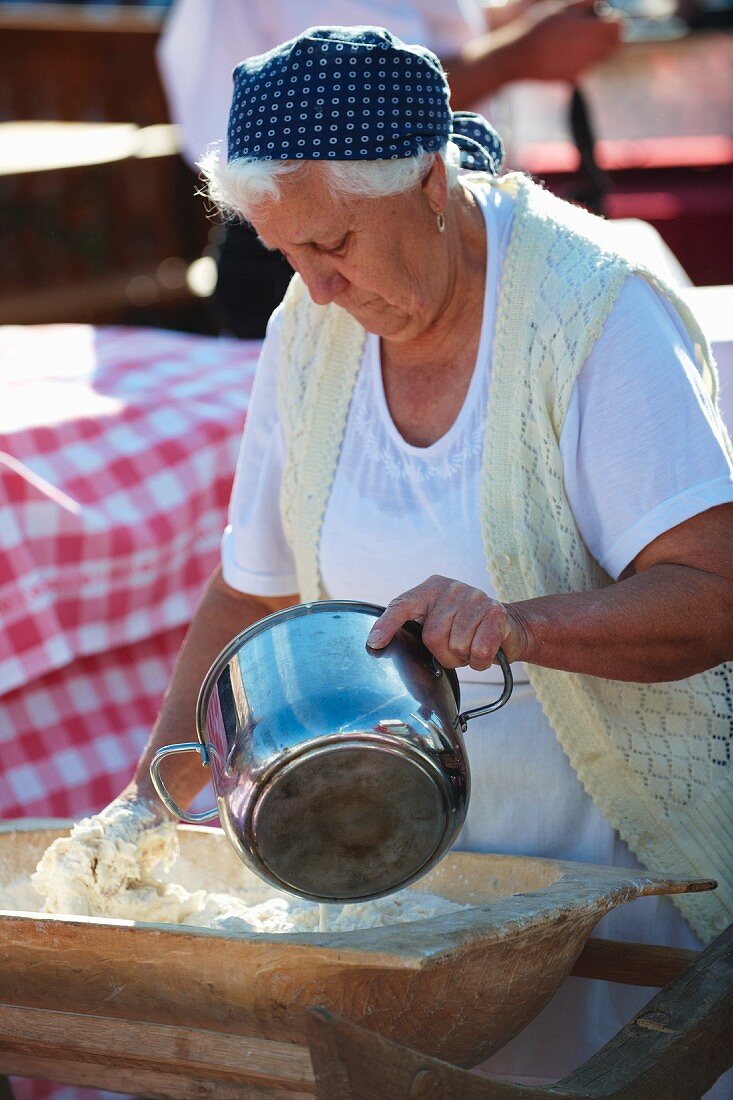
<point x="99" y="220"/>
<point x="163" y="1011"/>
<point x="673" y="1050"/>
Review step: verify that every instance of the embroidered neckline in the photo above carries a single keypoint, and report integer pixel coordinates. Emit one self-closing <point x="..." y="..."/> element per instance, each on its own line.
<point x="440" y="461"/>
<point x="462" y="440"/>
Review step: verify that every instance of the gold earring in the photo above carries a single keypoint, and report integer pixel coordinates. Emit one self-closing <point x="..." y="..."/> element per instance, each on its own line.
<point x="441" y="222"/>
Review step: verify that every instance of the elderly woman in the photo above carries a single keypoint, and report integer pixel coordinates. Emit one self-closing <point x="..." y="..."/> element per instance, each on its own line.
<point x="472" y="409"/>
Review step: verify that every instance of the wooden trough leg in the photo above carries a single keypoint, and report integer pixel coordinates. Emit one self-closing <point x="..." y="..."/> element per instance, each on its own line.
<point x="6" y="1091"/>
<point x="351" y="1063"/>
<point x="674" y="1049"/>
<point x="680" y="1042"/>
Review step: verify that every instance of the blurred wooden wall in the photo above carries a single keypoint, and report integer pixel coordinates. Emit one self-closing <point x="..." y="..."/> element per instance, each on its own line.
<point x="109" y="241"/>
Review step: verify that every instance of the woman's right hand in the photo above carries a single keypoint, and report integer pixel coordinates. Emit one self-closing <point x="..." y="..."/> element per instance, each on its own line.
<point x="143" y="796"/>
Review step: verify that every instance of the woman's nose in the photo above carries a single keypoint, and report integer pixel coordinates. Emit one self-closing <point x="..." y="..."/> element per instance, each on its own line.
<point x="323" y="282"/>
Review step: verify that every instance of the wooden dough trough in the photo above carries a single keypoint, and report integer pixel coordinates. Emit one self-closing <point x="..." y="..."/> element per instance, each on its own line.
<point x="457" y="986"/>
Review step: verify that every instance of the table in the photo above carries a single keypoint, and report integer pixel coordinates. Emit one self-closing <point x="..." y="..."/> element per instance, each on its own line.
<point x="27" y="147"/>
<point x="117" y="448"/>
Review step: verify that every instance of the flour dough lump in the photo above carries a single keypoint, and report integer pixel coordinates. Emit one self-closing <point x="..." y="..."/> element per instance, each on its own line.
<point x="106" y="867"/>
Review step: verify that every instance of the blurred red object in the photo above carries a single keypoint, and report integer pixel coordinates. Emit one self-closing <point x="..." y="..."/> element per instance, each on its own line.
<point x="681" y="186"/>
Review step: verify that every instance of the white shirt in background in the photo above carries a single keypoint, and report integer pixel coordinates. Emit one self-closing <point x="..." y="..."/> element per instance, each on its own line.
<point x="203" y="40"/>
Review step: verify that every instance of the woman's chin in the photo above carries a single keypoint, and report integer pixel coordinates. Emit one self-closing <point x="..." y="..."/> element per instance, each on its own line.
<point x="380" y="319"/>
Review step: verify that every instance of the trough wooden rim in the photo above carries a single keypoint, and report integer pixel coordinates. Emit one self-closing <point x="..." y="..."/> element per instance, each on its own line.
<point x="582" y="892"/>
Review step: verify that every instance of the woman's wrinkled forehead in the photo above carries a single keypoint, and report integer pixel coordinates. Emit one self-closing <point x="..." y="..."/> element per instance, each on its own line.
<point x="309" y="210"/>
<point x="339" y="93"/>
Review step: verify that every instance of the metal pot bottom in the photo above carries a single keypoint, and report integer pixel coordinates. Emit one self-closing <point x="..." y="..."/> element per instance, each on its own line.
<point x="349" y="821"/>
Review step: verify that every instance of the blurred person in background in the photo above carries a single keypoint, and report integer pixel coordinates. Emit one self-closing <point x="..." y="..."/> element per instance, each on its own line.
<point x="483" y="47"/>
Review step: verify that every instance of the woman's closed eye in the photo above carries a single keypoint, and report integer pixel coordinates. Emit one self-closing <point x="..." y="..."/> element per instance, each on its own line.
<point x="335" y="250"/>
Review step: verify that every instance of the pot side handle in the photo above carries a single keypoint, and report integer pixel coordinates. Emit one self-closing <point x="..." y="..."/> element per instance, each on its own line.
<point x="165" y="798"/>
<point x="464" y="718"/>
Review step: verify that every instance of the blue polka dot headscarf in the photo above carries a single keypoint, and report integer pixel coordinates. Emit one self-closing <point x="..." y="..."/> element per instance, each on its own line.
<point x="343" y="93"/>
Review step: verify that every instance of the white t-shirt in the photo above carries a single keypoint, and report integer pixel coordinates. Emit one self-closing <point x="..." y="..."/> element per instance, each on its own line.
<point x="639" y="446"/>
<point x="203" y="40"/>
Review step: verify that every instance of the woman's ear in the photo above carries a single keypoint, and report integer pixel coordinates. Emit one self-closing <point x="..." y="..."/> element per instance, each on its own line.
<point x="435" y="185"/>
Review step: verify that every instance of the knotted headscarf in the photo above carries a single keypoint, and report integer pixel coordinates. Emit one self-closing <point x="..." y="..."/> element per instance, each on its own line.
<point x="351" y="93"/>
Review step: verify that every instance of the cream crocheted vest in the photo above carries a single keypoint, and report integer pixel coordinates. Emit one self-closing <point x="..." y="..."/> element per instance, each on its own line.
<point x="655" y="758"/>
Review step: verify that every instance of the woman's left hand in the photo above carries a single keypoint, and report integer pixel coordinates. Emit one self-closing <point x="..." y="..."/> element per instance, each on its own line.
<point x="461" y="625"/>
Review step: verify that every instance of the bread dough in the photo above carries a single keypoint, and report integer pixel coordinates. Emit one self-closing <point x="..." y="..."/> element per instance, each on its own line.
<point x="110" y="866"/>
<point x="106" y="865"/>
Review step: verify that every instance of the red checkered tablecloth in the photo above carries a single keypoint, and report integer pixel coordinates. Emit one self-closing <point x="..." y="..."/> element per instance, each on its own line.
<point x="117" y="448"/>
<point x="117" y="451"/>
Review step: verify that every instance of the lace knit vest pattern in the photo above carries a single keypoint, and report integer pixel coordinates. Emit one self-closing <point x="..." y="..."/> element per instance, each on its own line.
<point x="655" y="758"/>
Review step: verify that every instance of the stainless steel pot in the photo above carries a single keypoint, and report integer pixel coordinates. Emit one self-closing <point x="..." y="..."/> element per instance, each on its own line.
<point x="339" y="771"/>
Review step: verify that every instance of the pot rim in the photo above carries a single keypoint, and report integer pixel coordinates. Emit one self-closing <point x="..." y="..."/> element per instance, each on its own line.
<point x="297" y="611"/>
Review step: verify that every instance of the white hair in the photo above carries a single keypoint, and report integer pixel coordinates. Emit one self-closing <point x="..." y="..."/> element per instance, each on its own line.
<point x="238" y="188"/>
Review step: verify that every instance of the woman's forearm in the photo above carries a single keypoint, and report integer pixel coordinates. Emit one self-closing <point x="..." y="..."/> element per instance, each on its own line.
<point x="666" y="623"/>
<point x="483" y="67"/>
<point x="669" y="617"/>
<point x="220" y="616"/>
<point x="551" y="40"/>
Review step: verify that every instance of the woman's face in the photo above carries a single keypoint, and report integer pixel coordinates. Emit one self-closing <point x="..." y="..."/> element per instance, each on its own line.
<point x="383" y="260"/>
